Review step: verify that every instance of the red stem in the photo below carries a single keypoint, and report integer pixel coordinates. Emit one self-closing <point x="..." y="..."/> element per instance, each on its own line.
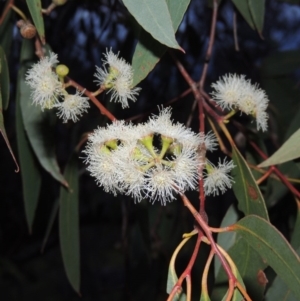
<point x="277" y="171"/>
<point x="92" y="97"/>
<point x="209" y="236"/>
<point x="187" y="272"/>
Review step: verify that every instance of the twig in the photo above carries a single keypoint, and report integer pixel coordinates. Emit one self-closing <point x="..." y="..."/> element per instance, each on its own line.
<point x="277" y="171"/>
<point x="208" y="233"/>
<point x="96" y="102"/>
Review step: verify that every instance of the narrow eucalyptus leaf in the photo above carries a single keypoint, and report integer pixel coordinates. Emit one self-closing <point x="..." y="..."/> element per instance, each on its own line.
<point x="148" y="51"/>
<point x="4" y="79"/>
<point x="35" y="9"/>
<point x="287" y="152"/>
<point x="250" y="199"/>
<point x="243" y="8"/>
<point x="273" y="248"/>
<point x="155" y="18"/>
<point x="257" y="10"/>
<point x="30" y="174"/>
<point x="69" y="224"/>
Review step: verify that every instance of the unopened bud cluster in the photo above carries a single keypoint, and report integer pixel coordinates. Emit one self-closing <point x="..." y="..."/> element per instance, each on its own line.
<point x="154" y="160"/>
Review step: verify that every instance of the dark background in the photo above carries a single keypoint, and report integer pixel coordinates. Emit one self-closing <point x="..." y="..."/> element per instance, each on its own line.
<point x="126" y="247"/>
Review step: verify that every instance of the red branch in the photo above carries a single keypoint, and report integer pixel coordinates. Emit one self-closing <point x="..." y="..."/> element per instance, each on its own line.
<point x="92" y="97"/>
<point x="187" y="272"/>
<point x="277" y="171"/>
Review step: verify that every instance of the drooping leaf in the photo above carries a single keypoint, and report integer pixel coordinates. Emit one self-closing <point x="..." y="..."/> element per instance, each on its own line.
<point x="148" y="51"/>
<point x="273" y="248"/>
<point x="4" y="79"/>
<point x="251" y="268"/>
<point x="172" y="276"/>
<point x="69" y="224"/>
<point x="35" y="9"/>
<point x="39" y="125"/>
<point x="243" y="8"/>
<point x="52" y="217"/>
<point x="31" y="178"/>
<point x="295" y="238"/>
<point x="4" y="135"/>
<point x="257" y="10"/>
<point x="287" y="152"/>
<point x="6" y="29"/>
<point x="155" y="18"/>
<point x="250" y="199"/>
<point x="279" y="290"/>
<point x="221" y="284"/>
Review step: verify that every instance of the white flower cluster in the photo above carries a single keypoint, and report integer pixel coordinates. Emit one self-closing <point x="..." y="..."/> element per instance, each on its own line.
<point x="153" y="160"/>
<point x="117" y="78"/>
<point x="235" y="92"/>
<point x="47" y="90"/>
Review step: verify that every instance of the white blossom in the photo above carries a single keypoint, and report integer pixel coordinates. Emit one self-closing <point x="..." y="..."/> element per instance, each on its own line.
<point x="163" y="125"/>
<point x="217" y="177"/>
<point x="46" y="87"/>
<point x="117" y="78"/>
<point x="229" y="90"/>
<point x="161" y="184"/>
<point x="123" y="158"/>
<point x="235" y="92"/>
<point x="72" y="107"/>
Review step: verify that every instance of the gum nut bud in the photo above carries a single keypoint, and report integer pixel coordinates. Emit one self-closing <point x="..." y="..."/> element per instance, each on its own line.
<point x="59" y="2"/>
<point x="62" y="70"/>
<point x="27" y="30"/>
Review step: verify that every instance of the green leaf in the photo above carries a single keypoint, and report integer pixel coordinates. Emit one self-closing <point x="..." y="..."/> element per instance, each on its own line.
<point x="154" y="17"/>
<point x="148" y="51"/>
<point x="247" y="260"/>
<point x="243" y="8"/>
<point x="35" y="9"/>
<point x="221" y="283"/>
<point x="273" y="248"/>
<point x="52" y="217"/>
<point x="204" y="296"/>
<point x="287" y="152"/>
<point x="280" y="63"/>
<point x="288" y="121"/>
<point x="279" y="290"/>
<point x="4" y="79"/>
<point x="6" y="29"/>
<point x="172" y="276"/>
<point x="31" y="178"/>
<point x="226" y="239"/>
<point x="257" y="10"/>
<point x="250" y="266"/>
<point x="295" y="239"/>
<point x="4" y="135"/>
<point x="69" y="224"/>
<point x="250" y="199"/>
<point x="39" y="125"/>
